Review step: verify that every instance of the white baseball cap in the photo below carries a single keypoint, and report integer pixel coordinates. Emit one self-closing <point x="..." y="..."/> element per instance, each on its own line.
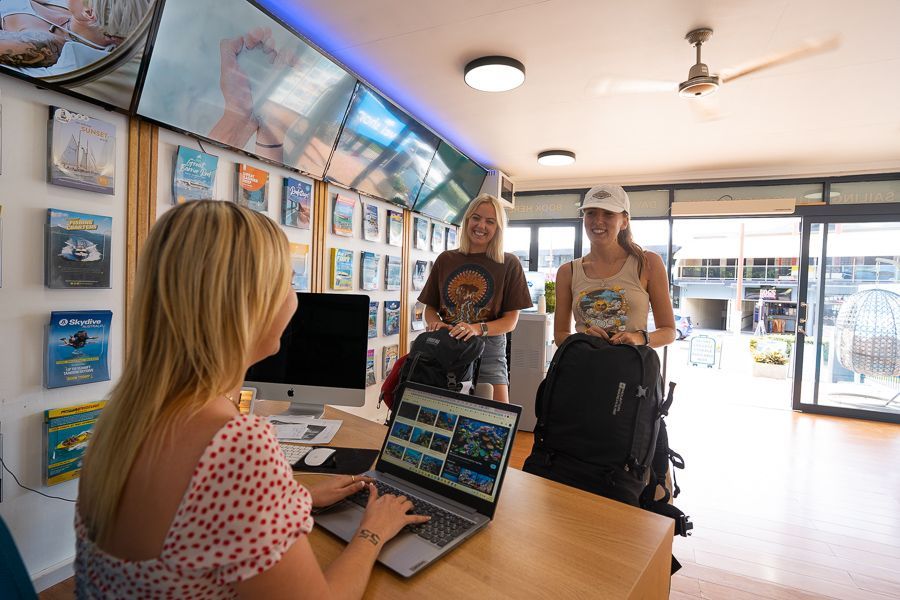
<point x="608" y="197"/>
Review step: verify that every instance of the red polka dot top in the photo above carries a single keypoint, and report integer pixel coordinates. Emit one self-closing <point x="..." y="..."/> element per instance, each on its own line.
<point x="241" y="512"/>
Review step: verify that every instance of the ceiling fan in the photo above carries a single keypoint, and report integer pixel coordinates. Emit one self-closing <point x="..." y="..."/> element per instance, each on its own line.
<point x="700" y="83"/>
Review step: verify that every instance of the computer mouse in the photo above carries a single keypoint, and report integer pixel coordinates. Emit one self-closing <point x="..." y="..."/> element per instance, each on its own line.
<point x="317" y="456"/>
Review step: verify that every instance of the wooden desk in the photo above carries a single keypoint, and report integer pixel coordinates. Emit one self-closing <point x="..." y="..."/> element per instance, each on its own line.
<point x="547" y="540"/>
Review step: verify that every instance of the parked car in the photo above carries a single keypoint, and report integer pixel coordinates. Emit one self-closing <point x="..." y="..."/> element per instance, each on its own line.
<point x="683" y="325"/>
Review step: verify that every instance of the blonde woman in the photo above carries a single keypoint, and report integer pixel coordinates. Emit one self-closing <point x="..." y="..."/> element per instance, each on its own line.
<point x="611" y="290"/>
<point x="478" y="290"/>
<point x="181" y="496"/>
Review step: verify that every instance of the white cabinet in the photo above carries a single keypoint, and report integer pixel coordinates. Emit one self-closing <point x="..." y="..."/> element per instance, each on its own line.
<point x="531" y="348"/>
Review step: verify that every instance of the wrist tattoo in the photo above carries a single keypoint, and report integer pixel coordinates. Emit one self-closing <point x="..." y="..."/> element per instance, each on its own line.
<point x="368" y="535"/>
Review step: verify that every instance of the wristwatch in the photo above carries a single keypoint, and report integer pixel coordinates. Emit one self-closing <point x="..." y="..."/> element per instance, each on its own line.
<point x="646" y="336"/>
<point x="484" y="330"/>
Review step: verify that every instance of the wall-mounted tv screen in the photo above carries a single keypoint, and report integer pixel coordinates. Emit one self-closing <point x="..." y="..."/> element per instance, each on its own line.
<point x="91" y="47"/>
<point x="452" y="181"/>
<point x="227" y="71"/>
<point x="382" y="151"/>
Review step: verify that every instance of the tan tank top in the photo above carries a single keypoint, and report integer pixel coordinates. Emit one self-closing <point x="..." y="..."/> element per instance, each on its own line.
<point x="617" y="303"/>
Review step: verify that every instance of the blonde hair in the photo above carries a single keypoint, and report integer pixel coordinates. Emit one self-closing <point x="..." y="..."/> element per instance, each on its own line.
<point x="495" y="246"/>
<point x="119" y="18"/>
<point x="211" y="278"/>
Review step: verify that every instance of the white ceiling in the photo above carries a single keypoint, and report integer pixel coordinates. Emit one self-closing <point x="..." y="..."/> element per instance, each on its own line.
<point x="833" y="113"/>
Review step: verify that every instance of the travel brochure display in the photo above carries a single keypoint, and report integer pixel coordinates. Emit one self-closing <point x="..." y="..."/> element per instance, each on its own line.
<point x="194" y="175"/>
<point x="451" y="238"/>
<point x="418" y="317"/>
<point x="395" y="228"/>
<point x="420" y="274"/>
<point x="77" y="251"/>
<point x="391" y="317"/>
<point x="77" y="347"/>
<point x="251" y="188"/>
<point x="341" y="269"/>
<point x="370" y="222"/>
<point x="342" y="217"/>
<point x="437" y="237"/>
<point x="373" y="319"/>
<point x="67" y="432"/>
<point x="421" y="233"/>
<point x="300" y="266"/>
<point x="82" y="152"/>
<point x="368" y="275"/>
<point x="392" y="273"/>
<point x="296" y="199"/>
<point x="370" y="367"/>
<point x="389" y="356"/>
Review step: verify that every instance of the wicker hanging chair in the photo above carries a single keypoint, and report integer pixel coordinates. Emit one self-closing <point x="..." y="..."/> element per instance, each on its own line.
<point x="868" y="333"/>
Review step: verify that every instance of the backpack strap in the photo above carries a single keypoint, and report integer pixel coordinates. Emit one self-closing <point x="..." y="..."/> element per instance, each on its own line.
<point x="639" y="455"/>
<point x="475" y="369"/>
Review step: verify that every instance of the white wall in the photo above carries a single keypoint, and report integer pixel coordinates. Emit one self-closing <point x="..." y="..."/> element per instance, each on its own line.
<point x="42" y="527"/>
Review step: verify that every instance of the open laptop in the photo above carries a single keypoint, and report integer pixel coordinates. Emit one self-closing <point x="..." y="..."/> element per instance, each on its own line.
<point x="448" y="453"/>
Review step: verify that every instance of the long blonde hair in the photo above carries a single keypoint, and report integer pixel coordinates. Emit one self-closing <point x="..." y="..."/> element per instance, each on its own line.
<point x="211" y="279"/>
<point x="495" y="246"/>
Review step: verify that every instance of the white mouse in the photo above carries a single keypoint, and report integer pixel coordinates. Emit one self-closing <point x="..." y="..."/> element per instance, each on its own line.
<point x="317" y="456"/>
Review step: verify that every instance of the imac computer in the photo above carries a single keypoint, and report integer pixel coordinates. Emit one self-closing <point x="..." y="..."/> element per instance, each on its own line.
<point x="322" y="359"/>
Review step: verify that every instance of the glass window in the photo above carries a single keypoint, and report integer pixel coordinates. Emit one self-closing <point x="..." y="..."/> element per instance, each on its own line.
<point x="556" y="246"/>
<point x="869" y="192"/>
<point x="517" y="240"/>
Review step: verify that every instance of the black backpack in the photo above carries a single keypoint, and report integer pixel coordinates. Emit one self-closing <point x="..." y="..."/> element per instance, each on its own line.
<point x="600" y="424"/>
<point x="438" y="360"/>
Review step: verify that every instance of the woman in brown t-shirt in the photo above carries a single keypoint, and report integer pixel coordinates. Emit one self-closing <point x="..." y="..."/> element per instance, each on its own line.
<point x="478" y="290"/>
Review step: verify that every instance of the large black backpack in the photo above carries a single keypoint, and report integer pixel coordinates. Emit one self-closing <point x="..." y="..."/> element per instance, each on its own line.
<point x="438" y="360"/>
<point x="600" y="416"/>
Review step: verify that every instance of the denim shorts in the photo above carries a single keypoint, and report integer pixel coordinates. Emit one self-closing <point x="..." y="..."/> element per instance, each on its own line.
<point x="493" y="361"/>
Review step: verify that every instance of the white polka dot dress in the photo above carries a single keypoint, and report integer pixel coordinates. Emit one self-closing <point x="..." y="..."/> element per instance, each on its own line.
<point x="240" y="513"/>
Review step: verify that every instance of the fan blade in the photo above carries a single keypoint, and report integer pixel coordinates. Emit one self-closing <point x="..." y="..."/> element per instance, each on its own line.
<point x="617" y="87"/>
<point x="809" y="47"/>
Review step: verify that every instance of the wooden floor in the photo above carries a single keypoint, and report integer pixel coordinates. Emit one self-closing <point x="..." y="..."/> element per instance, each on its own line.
<point x="785" y="505"/>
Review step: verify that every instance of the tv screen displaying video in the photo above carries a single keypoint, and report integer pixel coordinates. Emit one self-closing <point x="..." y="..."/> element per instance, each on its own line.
<point x="227" y="71"/>
<point x="452" y="181"/>
<point x="89" y="47"/>
<point x="382" y="150"/>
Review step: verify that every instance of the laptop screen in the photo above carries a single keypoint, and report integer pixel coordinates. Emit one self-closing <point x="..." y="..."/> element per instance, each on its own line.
<point x="453" y="440"/>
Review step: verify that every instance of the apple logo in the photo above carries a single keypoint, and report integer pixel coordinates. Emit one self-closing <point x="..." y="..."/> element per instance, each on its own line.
<point x="290" y="392"/>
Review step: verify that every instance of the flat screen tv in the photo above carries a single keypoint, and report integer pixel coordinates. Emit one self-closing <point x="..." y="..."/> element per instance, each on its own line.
<point x="452" y="181"/>
<point x="227" y="71"/>
<point x="90" y="49"/>
<point x="382" y="151"/>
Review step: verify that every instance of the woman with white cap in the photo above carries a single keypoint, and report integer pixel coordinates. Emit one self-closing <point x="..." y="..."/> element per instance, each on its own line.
<point x="611" y="290"/>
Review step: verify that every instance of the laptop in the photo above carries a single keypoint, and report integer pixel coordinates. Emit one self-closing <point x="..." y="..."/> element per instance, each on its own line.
<point x="448" y="453"/>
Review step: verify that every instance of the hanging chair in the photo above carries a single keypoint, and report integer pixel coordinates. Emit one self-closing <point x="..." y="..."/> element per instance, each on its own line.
<point x="868" y="333"/>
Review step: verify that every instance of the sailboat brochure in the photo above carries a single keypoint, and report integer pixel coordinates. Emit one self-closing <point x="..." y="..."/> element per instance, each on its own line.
<point x="82" y="151"/>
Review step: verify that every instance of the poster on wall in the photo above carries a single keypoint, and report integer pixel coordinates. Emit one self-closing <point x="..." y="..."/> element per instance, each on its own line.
<point x="194" y="175"/>
<point x="296" y="199"/>
<point x="78" y="247"/>
<point x="81" y="152"/>
<point x="77" y="347"/>
<point x="67" y="432"/>
<point x="251" y="187"/>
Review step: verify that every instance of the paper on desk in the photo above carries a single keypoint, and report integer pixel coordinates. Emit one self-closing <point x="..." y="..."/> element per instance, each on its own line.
<point x="307" y="430"/>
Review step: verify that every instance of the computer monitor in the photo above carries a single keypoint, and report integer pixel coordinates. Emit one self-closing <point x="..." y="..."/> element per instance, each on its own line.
<point x="322" y="359"/>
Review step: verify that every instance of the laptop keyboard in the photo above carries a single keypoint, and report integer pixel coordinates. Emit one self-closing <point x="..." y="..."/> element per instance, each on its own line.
<point x="444" y="526"/>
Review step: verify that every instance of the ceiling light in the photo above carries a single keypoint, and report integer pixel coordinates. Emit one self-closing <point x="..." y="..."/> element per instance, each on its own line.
<point x="495" y="73"/>
<point x="556" y="158"/>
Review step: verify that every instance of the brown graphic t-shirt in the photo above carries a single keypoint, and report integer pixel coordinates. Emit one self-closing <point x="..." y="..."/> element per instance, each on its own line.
<point x="472" y="288"/>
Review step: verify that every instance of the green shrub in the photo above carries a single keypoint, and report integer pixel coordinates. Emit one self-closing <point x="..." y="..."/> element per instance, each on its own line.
<point x="550" y="295"/>
<point x="771" y="358"/>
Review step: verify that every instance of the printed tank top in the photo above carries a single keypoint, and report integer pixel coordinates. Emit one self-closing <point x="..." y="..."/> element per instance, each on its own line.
<point x="617" y="303"/>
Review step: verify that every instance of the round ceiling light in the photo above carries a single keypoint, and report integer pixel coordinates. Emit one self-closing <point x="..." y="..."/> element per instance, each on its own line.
<point x="495" y="74"/>
<point x="556" y="158"/>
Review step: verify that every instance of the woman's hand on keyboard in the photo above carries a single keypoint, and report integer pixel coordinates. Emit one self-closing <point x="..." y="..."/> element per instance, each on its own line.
<point x="385" y="516"/>
<point x="335" y="489"/>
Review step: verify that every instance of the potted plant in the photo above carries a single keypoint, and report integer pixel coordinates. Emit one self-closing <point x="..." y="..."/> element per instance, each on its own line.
<point x="773" y="364"/>
<point x="550" y="295"/>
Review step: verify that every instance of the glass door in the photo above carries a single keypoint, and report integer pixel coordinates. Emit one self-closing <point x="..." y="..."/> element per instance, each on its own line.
<point x="848" y="333"/>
